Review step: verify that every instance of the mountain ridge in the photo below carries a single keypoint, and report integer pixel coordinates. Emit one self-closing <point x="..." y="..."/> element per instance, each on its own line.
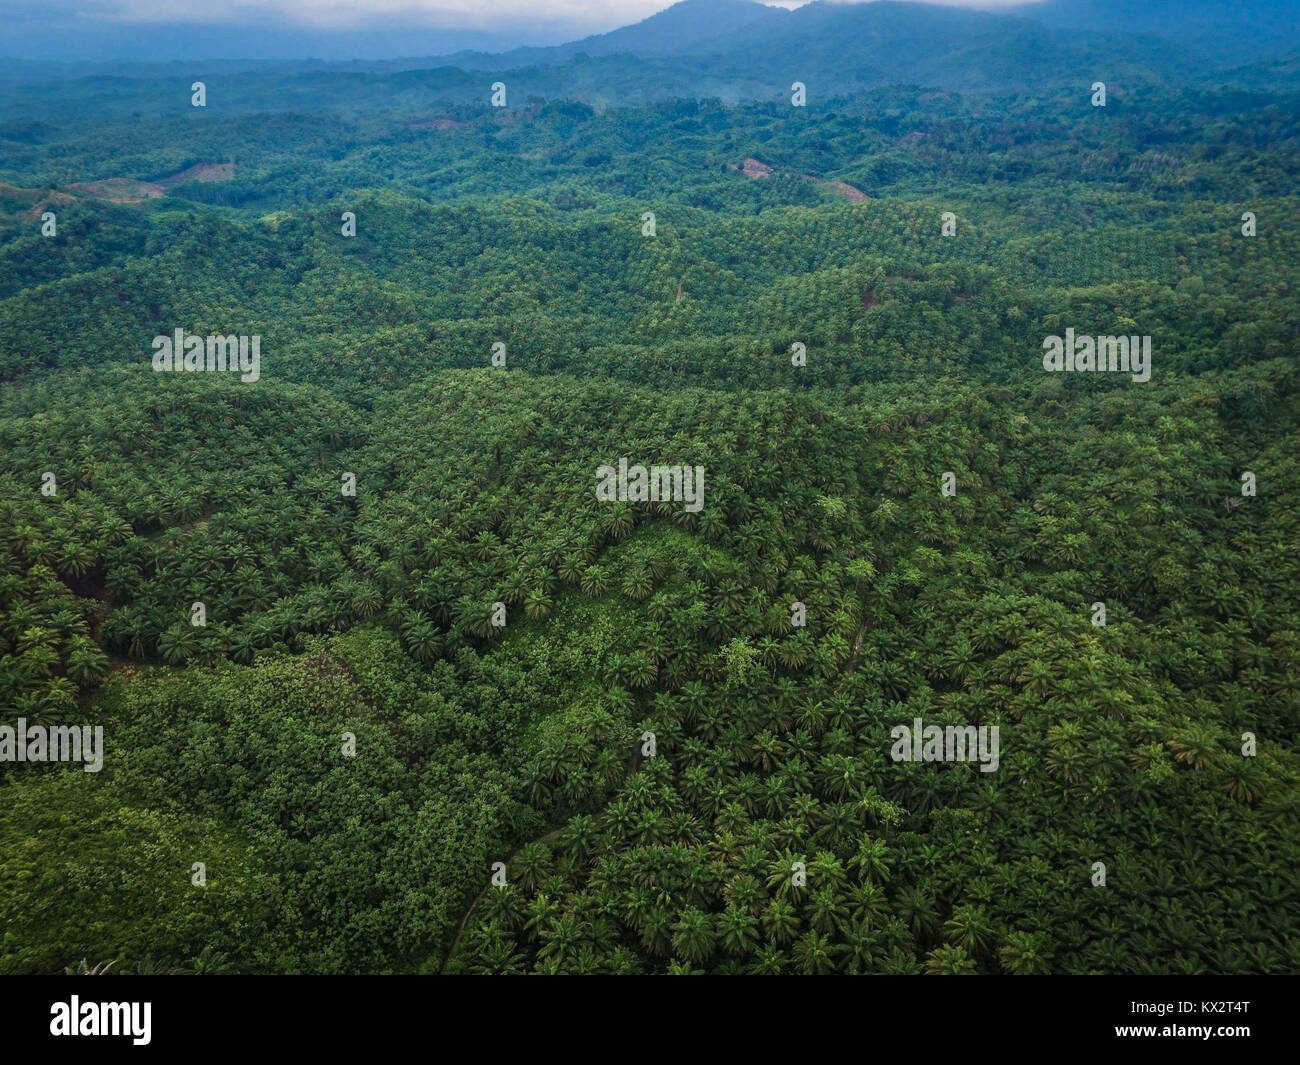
<point x="742" y="49"/>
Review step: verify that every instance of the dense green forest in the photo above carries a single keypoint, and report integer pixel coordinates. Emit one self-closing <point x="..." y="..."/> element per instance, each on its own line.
<point x="351" y="739"/>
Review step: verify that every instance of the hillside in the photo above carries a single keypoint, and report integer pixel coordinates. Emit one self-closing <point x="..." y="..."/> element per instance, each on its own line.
<point x="616" y="534"/>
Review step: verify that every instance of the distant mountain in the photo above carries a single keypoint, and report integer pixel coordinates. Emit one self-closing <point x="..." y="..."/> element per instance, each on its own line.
<point x="841" y="48"/>
<point x="1228" y="32"/>
<point x="82" y="39"/>
<point x="1222" y="32"/>
<point x="738" y="49"/>
<point x="850" y="46"/>
<point x="687" y="28"/>
<point x="691" y="27"/>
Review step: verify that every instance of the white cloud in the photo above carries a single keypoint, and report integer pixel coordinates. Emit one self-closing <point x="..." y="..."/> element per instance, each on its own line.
<point x="332" y="14"/>
<point x="337" y="14"/>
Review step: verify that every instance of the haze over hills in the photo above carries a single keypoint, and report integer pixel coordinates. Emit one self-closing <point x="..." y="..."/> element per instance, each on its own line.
<point x="738" y="49"/>
<point x="689" y="27"/>
<point x="1222" y="32"/>
<point x="852" y="46"/>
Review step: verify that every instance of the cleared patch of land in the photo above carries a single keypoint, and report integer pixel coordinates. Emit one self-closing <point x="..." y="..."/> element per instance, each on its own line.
<point x="756" y="169"/>
<point x="842" y="188"/>
<point x="200" y="172"/>
<point x="120" y="190"/>
<point x="130" y="190"/>
<point x="30" y="203"/>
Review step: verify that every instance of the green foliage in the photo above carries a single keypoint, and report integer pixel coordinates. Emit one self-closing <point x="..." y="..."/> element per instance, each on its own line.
<point x="373" y="614"/>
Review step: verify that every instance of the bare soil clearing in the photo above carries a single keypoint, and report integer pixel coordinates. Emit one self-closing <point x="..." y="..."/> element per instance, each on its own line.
<point x="30" y="204"/>
<point x="120" y="190"/>
<point x="200" y="172"/>
<point x="842" y="188"/>
<point x="129" y="190"/>
<point x="756" y="169"/>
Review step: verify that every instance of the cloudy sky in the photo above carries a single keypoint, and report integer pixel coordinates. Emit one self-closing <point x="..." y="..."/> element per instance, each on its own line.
<point x="336" y="13"/>
<point x="104" y="29"/>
